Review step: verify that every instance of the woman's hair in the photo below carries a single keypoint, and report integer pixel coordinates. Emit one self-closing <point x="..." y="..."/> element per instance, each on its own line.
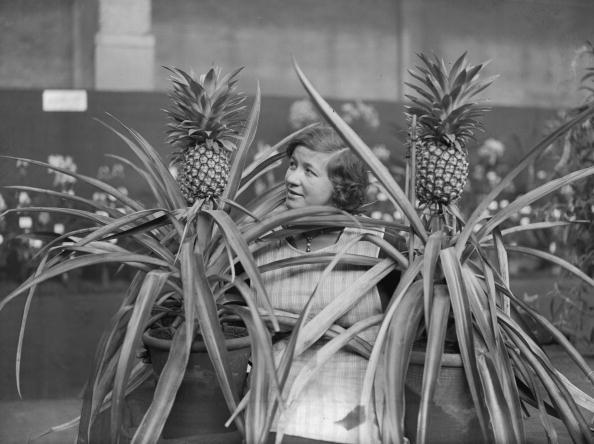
<point x="347" y="173"/>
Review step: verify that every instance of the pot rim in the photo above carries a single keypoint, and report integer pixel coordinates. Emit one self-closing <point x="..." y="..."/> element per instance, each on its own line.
<point x="197" y="346"/>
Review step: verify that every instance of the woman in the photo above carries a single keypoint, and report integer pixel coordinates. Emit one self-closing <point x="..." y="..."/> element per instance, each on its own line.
<point x="322" y="171"/>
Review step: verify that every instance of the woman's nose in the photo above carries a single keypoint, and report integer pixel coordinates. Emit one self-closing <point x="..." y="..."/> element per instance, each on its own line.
<point x="292" y="177"/>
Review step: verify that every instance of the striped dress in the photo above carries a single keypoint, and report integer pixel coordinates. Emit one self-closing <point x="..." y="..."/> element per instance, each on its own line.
<point x="334" y="391"/>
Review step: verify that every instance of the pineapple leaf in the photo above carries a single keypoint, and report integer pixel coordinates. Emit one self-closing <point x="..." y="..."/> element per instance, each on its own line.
<point x="458" y="66"/>
<point x="419" y="90"/>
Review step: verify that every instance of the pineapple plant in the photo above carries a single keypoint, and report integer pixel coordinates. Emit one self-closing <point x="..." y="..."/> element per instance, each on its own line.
<point x="206" y="120"/>
<point x="446" y="119"/>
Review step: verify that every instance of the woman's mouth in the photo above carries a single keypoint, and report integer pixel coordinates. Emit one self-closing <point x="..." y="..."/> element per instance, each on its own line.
<point x="293" y="194"/>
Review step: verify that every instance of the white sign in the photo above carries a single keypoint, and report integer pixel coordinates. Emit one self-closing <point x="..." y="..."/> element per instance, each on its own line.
<point x="64" y="100"/>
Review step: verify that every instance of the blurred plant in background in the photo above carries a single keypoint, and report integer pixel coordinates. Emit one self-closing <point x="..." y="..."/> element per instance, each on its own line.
<point x="17" y="245"/>
<point x="62" y="181"/>
<point x="571" y="305"/>
<point x="115" y="176"/>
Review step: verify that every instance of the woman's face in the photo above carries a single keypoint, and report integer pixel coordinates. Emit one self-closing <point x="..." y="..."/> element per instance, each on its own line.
<point x="307" y="179"/>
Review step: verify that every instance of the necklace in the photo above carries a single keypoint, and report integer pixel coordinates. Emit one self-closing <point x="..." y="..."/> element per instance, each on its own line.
<point x="308" y="240"/>
<point x="309" y="237"/>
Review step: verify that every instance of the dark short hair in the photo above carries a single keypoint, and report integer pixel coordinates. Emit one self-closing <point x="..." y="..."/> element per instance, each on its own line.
<point x="347" y="173"/>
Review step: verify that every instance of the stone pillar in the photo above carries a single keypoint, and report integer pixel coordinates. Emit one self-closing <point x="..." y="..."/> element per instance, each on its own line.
<point x="124" y="46"/>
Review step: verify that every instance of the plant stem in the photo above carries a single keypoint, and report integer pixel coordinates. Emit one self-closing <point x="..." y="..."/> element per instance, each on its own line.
<point x="410" y="183"/>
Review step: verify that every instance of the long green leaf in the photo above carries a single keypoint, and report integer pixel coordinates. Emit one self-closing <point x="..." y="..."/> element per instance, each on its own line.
<point x="107" y="349"/>
<point x="431" y="255"/>
<point x="83" y="214"/>
<point x="572" y="418"/>
<point x="394" y="191"/>
<point x="199" y="293"/>
<point x="117" y="223"/>
<point x="559" y="337"/>
<point x="240" y="247"/>
<point x="259" y="335"/>
<point x="315" y="328"/>
<point x="551" y="258"/>
<point x="509" y="177"/>
<point x="502" y="262"/>
<point x="156" y="191"/>
<point x="106" y="188"/>
<point x="65" y="196"/>
<point x="395" y="390"/>
<point x="148" y="293"/>
<point x="238" y="163"/>
<point x="161" y="178"/>
<point x="136" y="260"/>
<point x="531" y="227"/>
<point x="463" y="322"/>
<point x="400" y="327"/>
<point x="440" y="310"/>
<point x="524" y="373"/>
<point x="581" y="398"/>
<point x="151" y="425"/>
<point x="26" y="309"/>
<point x="260" y="398"/>
<point x="138" y="376"/>
<point x="530" y="197"/>
<point x="499" y="412"/>
<point x="317" y="361"/>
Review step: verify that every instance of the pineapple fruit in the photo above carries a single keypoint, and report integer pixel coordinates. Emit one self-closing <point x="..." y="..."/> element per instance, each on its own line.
<point x="446" y="120"/>
<point x="206" y="120"/>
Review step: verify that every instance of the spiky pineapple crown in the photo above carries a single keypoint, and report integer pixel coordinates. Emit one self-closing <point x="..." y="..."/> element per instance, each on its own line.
<point x="205" y="107"/>
<point x="443" y="107"/>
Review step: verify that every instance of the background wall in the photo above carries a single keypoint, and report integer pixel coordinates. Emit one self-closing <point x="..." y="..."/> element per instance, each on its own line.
<point x="348" y="48"/>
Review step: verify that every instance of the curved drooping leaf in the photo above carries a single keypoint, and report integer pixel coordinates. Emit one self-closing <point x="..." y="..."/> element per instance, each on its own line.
<point x="317" y="361"/>
<point x="66" y="197"/>
<point x="315" y="328"/>
<point x="551" y="258"/>
<point x="240" y="156"/>
<point x="394" y="386"/>
<point x="395" y="338"/>
<point x="260" y="397"/>
<point x="537" y="393"/>
<point x="533" y="226"/>
<point x="199" y="301"/>
<point x="431" y="256"/>
<point x="106" y="355"/>
<point x="160" y="178"/>
<point x="26" y="309"/>
<point x="147" y="295"/>
<point x="559" y="337"/>
<point x="495" y="400"/>
<point x="96" y="183"/>
<point x="240" y="247"/>
<point x="135" y="260"/>
<point x="440" y="310"/>
<point x="157" y="191"/>
<point x="153" y="421"/>
<point x="464" y="332"/>
<point x="569" y="412"/>
<point x="509" y="177"/>
<point x="530" y="197"/>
